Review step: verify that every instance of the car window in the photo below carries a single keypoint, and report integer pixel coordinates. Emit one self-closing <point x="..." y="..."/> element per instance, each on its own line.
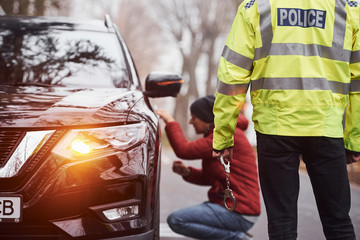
<point x="62" y="58"/>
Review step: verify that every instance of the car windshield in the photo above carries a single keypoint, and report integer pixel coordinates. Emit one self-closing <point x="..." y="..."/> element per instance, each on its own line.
<point x="53" y="57"/>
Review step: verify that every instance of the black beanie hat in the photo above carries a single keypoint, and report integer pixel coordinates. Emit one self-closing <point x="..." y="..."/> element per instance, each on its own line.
<point x="202" y="108"/>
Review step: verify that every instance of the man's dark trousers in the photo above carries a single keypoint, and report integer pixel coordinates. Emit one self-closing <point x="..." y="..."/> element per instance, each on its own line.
<point x="279" y="159"/>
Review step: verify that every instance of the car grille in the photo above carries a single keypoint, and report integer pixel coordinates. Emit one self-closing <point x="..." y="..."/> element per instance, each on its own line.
<point x="9" y="139"/>
<point x="39" y="155"/>
<point x="9" y="142"/>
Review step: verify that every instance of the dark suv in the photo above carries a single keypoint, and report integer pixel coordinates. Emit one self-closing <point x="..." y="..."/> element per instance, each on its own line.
<point x="79" y="140"/>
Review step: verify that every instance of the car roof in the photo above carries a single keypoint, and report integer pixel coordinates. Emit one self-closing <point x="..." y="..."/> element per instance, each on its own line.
<point x="61" y="23"/>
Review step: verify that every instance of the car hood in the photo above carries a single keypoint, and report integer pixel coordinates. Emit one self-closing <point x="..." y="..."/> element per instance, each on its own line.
<point x="32" y="106"/>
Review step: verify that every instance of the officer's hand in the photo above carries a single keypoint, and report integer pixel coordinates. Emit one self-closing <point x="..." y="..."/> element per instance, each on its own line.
<point x="227" y="154"/>
<point x="181" y="169"/>
<point x="352" y="158"/>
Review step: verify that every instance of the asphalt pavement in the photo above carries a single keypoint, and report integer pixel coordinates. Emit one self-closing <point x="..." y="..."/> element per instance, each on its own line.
<point x="176" y="193"/>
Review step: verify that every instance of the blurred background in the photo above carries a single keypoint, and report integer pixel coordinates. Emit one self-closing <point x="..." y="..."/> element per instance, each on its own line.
<point x="183" y="37"/>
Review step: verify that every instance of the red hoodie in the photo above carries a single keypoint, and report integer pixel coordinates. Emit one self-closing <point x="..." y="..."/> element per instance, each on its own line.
<point x="243" y="168"/>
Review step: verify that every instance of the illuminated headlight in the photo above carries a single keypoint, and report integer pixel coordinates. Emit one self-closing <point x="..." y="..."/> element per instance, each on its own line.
<point x="94" y="142"/>
<point x="122" y="213"/>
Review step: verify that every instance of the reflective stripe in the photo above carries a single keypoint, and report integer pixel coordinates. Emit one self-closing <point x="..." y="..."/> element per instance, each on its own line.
<point x="299" y="84"/>
<point x="237" y="59"/>
<point x="265" y="29"/>
<point x="339" y="25"/>
<point x="355" y="57"/>
<point x="335" y="52"/>
<point x="309" y="50"/>
<point x="231" y="89"/>
<point x="355" y="86"/>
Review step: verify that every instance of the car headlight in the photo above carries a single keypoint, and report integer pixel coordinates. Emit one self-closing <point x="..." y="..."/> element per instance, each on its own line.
<point x="99" y="142"/>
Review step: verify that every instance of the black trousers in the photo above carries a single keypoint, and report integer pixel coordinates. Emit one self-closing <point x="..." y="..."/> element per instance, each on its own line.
<point x="278" y="162"/>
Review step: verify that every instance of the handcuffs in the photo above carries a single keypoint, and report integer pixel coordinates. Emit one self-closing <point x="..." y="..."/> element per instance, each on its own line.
<point x="228" y="191"/>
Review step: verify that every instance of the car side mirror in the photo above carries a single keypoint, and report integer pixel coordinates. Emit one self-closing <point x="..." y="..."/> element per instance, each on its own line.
<point x="160" y="84"/>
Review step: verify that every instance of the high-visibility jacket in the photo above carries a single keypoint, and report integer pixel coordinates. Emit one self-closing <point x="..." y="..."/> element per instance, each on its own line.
<point x="301" y="63"/>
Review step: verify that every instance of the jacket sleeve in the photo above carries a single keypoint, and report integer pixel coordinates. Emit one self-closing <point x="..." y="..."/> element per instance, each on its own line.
<point x="215" y="173"/>
<point x="352" y="123"/>
<point x="197" y="177"/>
<point x="352" y="126"/>
<point x="185" y="149"/>
<point x="234" y="73"/>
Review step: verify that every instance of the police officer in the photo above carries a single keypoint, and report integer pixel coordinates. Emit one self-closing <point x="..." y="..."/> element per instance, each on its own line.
<point x="301" y="60"/>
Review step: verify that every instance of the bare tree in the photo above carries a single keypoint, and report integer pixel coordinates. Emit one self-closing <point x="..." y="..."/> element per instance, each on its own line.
<point x="142" y="34"/>
<point x="199" y="27"/>
<point x="237" y="2"/>
<point x="32" y="7"/>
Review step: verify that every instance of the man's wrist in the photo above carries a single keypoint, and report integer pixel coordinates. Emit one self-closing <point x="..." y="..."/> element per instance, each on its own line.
<point x="188" y="172"/>
<point x="352" y="152"/>
<point x="220" y="151"/>
<point x="217" y="151"/>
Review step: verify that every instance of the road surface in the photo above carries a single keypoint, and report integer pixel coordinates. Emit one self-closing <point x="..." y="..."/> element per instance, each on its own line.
<point x="176" y="193"/>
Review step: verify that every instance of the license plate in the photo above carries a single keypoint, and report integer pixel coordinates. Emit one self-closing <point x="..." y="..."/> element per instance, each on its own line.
<point x="10" y="208"/>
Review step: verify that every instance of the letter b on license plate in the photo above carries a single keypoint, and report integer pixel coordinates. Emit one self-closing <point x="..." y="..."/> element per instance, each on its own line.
<point x="10" y="208"/>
